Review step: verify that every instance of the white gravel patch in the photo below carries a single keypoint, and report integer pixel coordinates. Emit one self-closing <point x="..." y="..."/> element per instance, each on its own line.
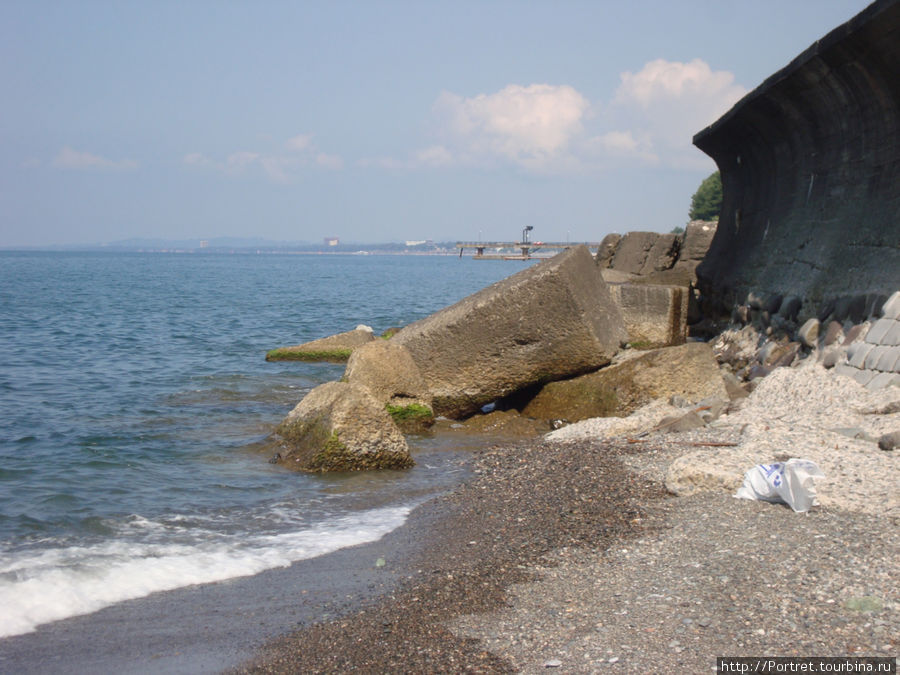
<point x="643" y="419"/>
<point x="806" y="412"/>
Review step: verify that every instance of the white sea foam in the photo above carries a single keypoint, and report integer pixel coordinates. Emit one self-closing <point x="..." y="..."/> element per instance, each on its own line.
<point x="41" y="586"/>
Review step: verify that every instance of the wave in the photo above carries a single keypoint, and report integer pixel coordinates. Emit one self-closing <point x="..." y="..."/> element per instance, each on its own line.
<point x="46" y="585"/>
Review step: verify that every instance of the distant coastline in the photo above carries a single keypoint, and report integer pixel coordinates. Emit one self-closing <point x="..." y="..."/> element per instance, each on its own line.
<point x="256" y="247"/>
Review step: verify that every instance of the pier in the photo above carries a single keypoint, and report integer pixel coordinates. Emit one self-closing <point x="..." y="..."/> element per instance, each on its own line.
<point x="527" y="247"/>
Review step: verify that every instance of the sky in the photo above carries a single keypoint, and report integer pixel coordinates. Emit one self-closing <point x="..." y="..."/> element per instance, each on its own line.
<point x="372" y="120"/>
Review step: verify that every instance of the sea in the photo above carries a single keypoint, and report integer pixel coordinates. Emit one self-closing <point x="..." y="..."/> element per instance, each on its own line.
<point x="135" y="404"/>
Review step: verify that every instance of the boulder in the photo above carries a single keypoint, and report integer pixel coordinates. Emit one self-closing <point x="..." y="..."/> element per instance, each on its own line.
<point x="388" y="371"/>
<point x="809" y="333"/>
<point x="689" y="371"/>
<point x="553" y="320"/>
<point x="340" y="426"/>
<point x="335" y="348"/>
<point x="889" y="441"/>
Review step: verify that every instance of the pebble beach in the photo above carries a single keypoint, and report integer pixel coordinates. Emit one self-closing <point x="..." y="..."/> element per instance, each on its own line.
<point x="569" y="553"/>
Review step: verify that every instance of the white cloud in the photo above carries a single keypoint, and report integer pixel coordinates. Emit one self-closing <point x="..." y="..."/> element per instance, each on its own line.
<point x="278" y="166"/>
<point x="299" y="143"/>
<point x="649" y="119"/>
<point x="667" y="102"/>
<point x="623" y="144"/>
<point x="329" y="161"/>
<point x="530" y="125"/>
<point x="68" y="158"/>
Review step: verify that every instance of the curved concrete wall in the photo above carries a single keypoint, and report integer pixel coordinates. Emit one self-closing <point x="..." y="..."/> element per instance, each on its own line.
<point x="810" y="165"/>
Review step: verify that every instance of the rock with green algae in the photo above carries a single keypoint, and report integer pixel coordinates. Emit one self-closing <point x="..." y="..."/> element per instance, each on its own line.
<point x="339" y="426"/>
<point x="334" y="348"/>
<point x="689" y="371"/>
<point x="388" y="371"/>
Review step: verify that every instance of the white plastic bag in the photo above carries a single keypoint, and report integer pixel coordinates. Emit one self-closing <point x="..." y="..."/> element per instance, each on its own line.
<point x="790" y="482"/>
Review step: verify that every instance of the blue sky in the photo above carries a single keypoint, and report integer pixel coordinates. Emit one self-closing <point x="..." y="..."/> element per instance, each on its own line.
<point x="372" y="121"/>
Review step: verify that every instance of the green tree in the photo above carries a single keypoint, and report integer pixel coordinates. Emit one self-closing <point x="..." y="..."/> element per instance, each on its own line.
<point x="707" y="200"/>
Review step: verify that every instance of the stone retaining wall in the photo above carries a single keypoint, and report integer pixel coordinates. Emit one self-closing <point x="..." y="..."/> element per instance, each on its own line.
<point x="810" y="165"/>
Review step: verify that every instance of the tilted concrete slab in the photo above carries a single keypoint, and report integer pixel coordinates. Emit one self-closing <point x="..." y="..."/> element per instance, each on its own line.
<point x="553" y="320"/>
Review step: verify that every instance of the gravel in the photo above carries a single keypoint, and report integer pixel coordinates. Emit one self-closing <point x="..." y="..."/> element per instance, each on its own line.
<point x="573" y="556"/>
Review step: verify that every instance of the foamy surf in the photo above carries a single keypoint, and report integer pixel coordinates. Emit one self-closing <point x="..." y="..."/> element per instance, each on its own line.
<point x="41" y="586"/>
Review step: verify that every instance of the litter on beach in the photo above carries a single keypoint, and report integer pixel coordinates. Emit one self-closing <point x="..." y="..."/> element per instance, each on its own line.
<point x="791" y="482"/>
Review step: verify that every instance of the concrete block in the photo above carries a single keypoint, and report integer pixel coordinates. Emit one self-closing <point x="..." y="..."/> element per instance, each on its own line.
<point x="858" y="352"/>
<point x="833" y="355"/>
<point x="874" y="356"/>
<point x="893" y="335"/>
<point x="655" y="315"/>
<point x="550" y="321"/>
<point x="884" y="380"/>
<point x="891" y="309"/>
<point x="889" y="361"/>
<point x="878" y="330"/>
<point x="845" y="369"/>
<point x="632" y="251"/>
<point x="864" y="376"/>
<point x="661" y="255"/>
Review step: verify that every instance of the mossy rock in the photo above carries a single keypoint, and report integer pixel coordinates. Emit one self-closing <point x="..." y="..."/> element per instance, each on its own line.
<point x="341" y="427"/>
<point x="334" y="348"/>
<point x="414" y="418"/>
<point x="335" y="456"/>
<point x="295" y="354"/>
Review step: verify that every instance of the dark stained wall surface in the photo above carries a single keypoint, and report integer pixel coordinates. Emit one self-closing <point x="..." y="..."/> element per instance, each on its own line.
<point x="810" y="165"/>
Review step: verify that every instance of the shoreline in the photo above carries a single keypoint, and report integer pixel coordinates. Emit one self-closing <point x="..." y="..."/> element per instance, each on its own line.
<point x="564" y="555"/>
<point x="209" y="628"/>
<point x="599" y="567"/>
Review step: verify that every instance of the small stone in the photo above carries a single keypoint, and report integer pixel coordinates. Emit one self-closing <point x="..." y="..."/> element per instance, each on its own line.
<point x="889" y="441"/>
<point x="864" y="603"/>
<point x="790" y="308"/>
<point x="834" y="334"/>
<point x="809" y="333"/>
<point x="612" y="659"/>
<point x="553" y="663"/>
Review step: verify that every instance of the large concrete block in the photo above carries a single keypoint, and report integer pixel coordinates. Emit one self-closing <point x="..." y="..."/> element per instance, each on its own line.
<point x="632" y="251"/>
<point x="655" y="315"/>
<point x="553" y="320"/>
<point x="607" y="249"/>
<point x="662" y="254"/>
<point x="698" y="235"/>
<point x="689" y="371"/>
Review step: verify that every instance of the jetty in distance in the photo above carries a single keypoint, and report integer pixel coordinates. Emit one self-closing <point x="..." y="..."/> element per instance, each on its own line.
<point x="528" y="249"/>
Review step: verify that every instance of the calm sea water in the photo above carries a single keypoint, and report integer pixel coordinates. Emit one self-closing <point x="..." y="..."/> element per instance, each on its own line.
<point x="134" y="398"/>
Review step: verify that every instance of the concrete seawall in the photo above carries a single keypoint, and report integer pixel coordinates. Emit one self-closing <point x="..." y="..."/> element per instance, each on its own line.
<point x="810" y="165"/>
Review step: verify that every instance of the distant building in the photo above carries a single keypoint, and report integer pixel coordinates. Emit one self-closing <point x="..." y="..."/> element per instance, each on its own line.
<point x="204" y="243"/>
<point x="332" y="241"/>
<point x="416" y="242"/>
